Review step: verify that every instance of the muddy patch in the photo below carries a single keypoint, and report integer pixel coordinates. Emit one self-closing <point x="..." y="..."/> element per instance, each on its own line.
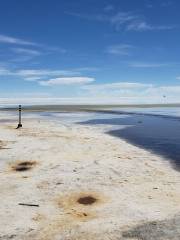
<point x="73" y="211"/>
<point x="81" y="206"/>
<point x="81" y="200"/>
<point x="23" y="166"/>
<point x="156" y="230"/>
<point x="87" y="200"/>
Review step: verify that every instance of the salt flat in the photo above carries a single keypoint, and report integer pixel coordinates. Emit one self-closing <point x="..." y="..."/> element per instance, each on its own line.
<point x="83" y="184"/>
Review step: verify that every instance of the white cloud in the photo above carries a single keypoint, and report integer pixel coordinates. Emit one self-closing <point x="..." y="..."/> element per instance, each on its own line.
<point x="40" y="72"/>
<point x="4" y="71"/>
<point x="133" y="92"/>
<point x="170" y="89"/>
<point x="148" y="65"/>
<point x="87" y="69"/>
<point x="44" y="73"/>
<point x="67" y="81"/>
<point x="120" y="49"/>
<point x="26" y="51"/>
<point x="132" y="22"/>
<point x="31" y="79"/>
<point x="123" y="20"/>
<point x="144" y="26"/>
<point x="133" y="89"/>
<point x="36" y="74"/>
<point x="12" y="40"/>
<point x="117" y="86"/>
<point x="139" y="26"/>
<point x="31" y="52"/>
<point x="113" y="93"/>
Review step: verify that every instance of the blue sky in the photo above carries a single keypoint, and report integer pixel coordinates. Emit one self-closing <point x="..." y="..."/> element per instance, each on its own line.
<point x="87" y="51"/>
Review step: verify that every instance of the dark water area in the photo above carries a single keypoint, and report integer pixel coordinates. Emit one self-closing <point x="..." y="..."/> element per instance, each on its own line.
<point x="160" y="135"/>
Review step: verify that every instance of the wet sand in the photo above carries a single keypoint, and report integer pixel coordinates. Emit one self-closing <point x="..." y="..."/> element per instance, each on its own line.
<point x="69" y="182"/>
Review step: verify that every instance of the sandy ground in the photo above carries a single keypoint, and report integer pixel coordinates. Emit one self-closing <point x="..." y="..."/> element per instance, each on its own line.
<point x="84" y="184"/>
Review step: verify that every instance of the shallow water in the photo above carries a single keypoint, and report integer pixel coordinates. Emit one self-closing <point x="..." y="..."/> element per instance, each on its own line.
<point x="163" y="111"/>
<point x="157" y="130"/>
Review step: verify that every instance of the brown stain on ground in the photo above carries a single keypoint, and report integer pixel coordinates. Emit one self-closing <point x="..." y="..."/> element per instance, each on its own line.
<point x="87" y="200"/>
<point x="81" y="206"/>
<point x="73" y="210"/>
<point x="81" y="198"/>
<point x="22" y="166"/>
<point x="3" y="144"/>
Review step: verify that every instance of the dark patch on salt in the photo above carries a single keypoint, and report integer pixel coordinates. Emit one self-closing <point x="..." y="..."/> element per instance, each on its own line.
<point x="23" y="166"/>
<point x="87" y="200"/>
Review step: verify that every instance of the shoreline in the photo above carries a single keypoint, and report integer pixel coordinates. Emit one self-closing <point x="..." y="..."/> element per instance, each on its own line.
<point x="74" y="161"/>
